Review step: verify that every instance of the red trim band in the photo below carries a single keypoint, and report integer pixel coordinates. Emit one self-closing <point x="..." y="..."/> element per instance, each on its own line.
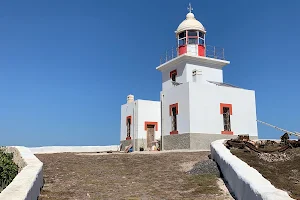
<point x="227" y="132"/>
<point x="172" y="106"/>
<point x="128" y="117"/>
<point x="222" y="105"/>
<point x="173" y="132"/>
<point x="151" y="123"/>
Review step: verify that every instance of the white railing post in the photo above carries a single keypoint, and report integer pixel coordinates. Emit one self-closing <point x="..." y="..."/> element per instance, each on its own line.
<point x="166" y="56"/>
<point x="214" y="52"/>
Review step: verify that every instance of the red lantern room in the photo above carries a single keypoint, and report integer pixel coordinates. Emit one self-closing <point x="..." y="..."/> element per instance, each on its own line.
<point x="191" y="36"/>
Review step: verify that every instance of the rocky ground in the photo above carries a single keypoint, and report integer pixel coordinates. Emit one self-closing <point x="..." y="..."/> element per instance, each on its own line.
<point x="186" y="175"/>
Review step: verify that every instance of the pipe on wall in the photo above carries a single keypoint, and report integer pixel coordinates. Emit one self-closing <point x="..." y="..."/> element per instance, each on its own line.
<point x="161" y="121"/>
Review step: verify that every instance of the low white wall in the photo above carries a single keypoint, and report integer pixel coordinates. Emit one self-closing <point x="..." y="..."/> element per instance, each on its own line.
<point x="29" y="181"/>
<point x="245" y="181"/>
<point x="65" y="149"/>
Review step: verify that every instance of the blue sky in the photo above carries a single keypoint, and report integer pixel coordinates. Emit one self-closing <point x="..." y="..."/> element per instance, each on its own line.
<point x="67" y="66"/>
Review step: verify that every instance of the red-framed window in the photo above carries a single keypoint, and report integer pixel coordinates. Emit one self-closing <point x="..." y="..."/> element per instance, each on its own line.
<point x="182" y="39"/>
<point x="173" y="75"/>
<point x="226" y="111"/>
<point x="128" y="126"/>
<point x="191" y="37"/>
<point x="173" y="109"/>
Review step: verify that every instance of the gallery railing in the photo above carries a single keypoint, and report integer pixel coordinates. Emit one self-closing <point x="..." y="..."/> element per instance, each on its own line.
<point x="210" y="51"/>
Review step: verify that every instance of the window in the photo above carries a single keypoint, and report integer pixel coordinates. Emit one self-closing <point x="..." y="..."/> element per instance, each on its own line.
<point x="201" y="35"/>
<point x="182" y="39"/>
<point x="192" y="37"/>
<point x="173" y="113"/>
<point x="226" y="111"/>
<point x="201" y="38"/>
<point x="182" y="35"/>
<point x="173" y="75"/>
<point x="174" y="119"/>
<point x="182" y="42"/>
<point x="128" y="125"/>
<point x="226" y="119"/>
<point x="201" y="41"/>
<point x="193" y="41"/>
<point x="193" y="33"/>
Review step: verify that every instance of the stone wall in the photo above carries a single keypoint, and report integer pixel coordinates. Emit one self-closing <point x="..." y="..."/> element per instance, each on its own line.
<point x="176" y="141"/>
<point x="193" y="141"/>
<point x="202" y="141"/>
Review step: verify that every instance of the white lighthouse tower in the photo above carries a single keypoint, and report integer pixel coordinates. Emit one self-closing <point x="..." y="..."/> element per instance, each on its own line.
<point x="197" y="106"/>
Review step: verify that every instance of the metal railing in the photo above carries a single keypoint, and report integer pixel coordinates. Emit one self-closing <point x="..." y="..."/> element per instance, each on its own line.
<point x="169" y="55"/>
<point x="215" y="52"/>
<point x="210" y="51"/>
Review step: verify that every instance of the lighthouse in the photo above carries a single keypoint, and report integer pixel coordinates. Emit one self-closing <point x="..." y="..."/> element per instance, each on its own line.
<point x="196" y="106"/>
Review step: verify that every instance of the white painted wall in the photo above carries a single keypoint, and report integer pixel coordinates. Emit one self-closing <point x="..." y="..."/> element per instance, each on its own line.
<point x="192" y="49"/>
<point x="205" y="114"/>
<point x="180" y="95"/>
<point x="185" y="71"/>
<point x="148" y="111"/>
<point x="126" y="110"/>
<point x="208" y="74"/>
<point x="181" y="76"/>
<point x="64" y="149"/>
<point x="140" y="111"/>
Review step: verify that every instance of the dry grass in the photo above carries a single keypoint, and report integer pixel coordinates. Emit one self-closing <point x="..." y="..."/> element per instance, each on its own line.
<point x="284" y="175"/>
<point x="126" y="176"/>
<point x="203" y="184"/>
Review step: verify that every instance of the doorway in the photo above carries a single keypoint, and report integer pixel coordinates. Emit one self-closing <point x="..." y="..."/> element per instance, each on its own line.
<point x="150" y="135"/>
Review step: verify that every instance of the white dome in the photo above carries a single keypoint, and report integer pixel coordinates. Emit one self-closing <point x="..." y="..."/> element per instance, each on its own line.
<point x="190" y="23"/>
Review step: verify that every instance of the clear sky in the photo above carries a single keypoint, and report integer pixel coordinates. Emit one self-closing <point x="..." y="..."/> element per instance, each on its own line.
<point x="67" y="66"/>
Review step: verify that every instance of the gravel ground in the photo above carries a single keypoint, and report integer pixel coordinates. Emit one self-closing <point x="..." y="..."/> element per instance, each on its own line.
<point x="128" y="176"/>
<point x="205" y="167"/>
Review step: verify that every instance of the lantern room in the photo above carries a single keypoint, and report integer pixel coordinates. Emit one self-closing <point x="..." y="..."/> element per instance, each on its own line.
<point x="190" y="36"/>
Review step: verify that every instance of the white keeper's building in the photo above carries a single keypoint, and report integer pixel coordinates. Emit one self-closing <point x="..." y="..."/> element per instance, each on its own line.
<point x="196" y="106"/>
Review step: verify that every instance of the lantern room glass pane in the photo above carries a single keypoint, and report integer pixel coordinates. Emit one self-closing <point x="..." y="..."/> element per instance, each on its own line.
<point x="182" y="42"/>
<point x="201" y="41"/>
<point x="182" y="35"/>
<point x="201" y="34"/>
<point x="192" y="41"/>
<point x="192" y="33"/>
